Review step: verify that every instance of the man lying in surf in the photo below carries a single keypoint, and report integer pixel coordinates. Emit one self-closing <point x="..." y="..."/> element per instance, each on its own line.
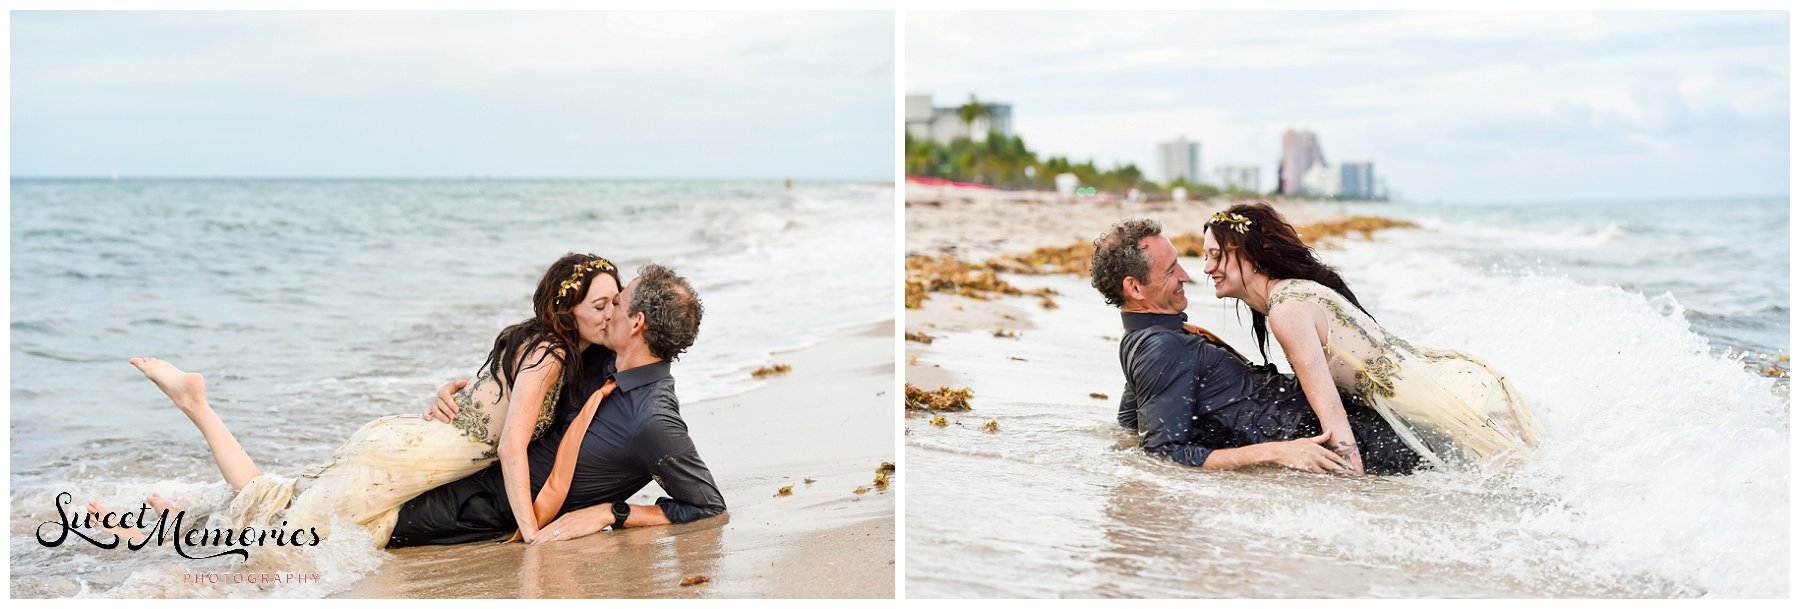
<point x="1192" y="398"/>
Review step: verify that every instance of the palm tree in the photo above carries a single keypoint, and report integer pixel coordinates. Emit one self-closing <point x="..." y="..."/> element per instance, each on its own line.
<point x="974" y="111"/>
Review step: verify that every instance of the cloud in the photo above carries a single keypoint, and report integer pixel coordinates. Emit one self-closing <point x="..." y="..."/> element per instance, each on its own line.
<point x="647" y="94"/>
<point x="1435" y="98"/>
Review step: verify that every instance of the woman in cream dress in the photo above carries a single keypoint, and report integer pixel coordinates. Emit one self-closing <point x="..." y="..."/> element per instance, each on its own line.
<point x="1450" y="408"/>
<point x="395" y="458"/>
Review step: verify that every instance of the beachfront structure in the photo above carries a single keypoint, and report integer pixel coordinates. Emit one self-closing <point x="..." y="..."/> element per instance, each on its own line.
<point x="1300" y="153"/>
<point x="1357" y="179"/>
<point x="1179" y="159"/>
<point x="942" y="124"/>
<point x="1247" y="178"/>
<point x="1321" y="181"/>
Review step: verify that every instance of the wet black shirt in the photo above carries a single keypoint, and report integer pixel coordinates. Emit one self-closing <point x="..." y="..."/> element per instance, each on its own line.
<point x="637" y="435"/>
<point x="1187" y="396"/>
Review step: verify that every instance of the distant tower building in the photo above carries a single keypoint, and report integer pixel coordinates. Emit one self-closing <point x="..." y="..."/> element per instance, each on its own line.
<point x="1358" y="179"/>
<point x="1179" y="159"/>
<point x="1321" y="181"/>
<point x="1247" y="178"/>
<point x="1299" y="153"/>
<point x="943" y="124"/>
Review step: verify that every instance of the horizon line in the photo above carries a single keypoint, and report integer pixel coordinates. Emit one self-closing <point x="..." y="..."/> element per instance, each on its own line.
<point x="475" y="178"/>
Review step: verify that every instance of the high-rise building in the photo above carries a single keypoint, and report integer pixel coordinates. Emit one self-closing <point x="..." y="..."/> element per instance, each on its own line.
<point x="1238" y="177"/>
<point x="1321" y="181"/>
<point x="1358" y="179"/>
<point x="1299" y="154"/>
<point x="1179" y="159"/>
<point x="942" y="124"/>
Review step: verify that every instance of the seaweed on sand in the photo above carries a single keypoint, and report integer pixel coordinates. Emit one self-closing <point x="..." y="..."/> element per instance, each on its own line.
<point x="943" y="398"/>
<point x="771" y="370"/>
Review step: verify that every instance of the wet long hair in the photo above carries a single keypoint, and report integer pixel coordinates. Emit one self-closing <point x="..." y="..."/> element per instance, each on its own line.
<point x="1274" y="248"/>
<point x="552" y="323"/>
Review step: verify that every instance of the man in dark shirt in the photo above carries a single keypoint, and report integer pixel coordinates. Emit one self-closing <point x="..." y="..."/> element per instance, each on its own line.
<point x="636" y="436"/>
<point x="1196" y="401"/>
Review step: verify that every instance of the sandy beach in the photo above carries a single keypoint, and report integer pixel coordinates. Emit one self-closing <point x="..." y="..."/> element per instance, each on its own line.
<point x="977" y="224"/>
<point x="828" y="420"/>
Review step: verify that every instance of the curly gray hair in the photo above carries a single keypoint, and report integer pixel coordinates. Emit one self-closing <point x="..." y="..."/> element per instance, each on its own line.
<point x="1117" y="255"/>
<point x="671" y="311"/>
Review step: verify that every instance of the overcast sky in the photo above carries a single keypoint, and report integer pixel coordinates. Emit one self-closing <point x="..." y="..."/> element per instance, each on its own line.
<point x="758" y="95"/>
<point x="1452" y="106"/>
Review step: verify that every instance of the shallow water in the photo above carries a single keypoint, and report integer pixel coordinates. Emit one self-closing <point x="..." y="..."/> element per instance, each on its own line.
<point x="315" y="306"/>
<point x="1665" y="474"/>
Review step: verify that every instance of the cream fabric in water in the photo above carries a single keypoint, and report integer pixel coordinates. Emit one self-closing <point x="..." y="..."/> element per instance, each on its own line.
<point x="1452" y="409"/>
<point x="385" y="464"/>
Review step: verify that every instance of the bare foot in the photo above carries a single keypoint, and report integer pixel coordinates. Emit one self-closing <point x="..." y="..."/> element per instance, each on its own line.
<point x="159" y="504"/>
<point x="186" y="389"/>
<point x="96" y="512"/>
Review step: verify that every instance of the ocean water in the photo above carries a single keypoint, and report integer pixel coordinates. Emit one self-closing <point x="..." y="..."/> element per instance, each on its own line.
<point x="1665" y="473"/>
<point x="1723" y="264"/>
<point x="315" y="306"/>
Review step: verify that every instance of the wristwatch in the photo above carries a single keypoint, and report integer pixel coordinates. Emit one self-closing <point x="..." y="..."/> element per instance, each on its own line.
<point x="621" y="511"/>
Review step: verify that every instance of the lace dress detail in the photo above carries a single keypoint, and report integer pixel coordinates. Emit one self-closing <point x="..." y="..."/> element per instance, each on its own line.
<point x="385" y="464"/>
<point x="475" y="412"/>
<point x="1449" y="407"/>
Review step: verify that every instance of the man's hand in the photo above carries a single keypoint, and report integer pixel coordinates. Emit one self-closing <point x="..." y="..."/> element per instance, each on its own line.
<point x="445" y="408"/>
<point x="577" y="524"/>
<point x="1309" y="455"/>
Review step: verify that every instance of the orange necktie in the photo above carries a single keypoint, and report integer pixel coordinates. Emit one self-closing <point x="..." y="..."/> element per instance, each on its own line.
<point x="1197" y="330"/>
<point x="550" y="498"/>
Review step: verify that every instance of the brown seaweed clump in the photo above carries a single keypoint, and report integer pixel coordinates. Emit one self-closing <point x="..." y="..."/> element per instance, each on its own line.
<point x="695" y="580"/>
<point x="1047" y="260"/>
<point x="947" y="274"/>
<point x="784" y="491"/>
<point x="943" y="398"/>
<point x="992" y="426"/>
<point x="771" y="370"/>
<point x="920" y="337"/>
<point x="886" y="467"/>
<point x="938" y="420"/>
<point x="881" y="482"/>
<point x="1097" y="395"/>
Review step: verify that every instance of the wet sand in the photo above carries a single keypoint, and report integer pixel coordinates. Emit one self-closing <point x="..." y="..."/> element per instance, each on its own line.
<point x="829" y="419"/>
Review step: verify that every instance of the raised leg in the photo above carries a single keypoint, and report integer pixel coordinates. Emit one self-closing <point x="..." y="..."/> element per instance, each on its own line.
<point x="188" y="391"/>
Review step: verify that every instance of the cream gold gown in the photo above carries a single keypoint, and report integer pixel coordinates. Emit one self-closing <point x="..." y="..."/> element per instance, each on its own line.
<point x="385" y="464"/>
<point x="1449" y="407"/>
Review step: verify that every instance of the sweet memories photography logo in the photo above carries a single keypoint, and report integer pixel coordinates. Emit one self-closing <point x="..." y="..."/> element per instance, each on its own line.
<point x="196" y="543"/>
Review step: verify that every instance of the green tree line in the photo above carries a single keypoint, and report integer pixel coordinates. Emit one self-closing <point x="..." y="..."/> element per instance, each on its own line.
<point x="1006" y="163"/>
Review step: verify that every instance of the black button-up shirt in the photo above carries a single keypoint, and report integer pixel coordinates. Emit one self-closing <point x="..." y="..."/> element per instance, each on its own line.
<point x="1187" y="396"/>
<point x="637" y="435"/>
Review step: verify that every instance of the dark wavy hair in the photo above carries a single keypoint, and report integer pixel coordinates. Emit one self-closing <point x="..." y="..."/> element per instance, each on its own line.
<point x="1117" y="255"/>
<point x="1274" y="248"/>
<point x="552" y="323"/>
<point x="671" y="311"/>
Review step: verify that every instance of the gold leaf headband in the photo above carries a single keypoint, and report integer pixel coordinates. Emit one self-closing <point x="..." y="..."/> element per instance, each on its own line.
<point x="1238" y="222"/>
<point x="581" y="269"/>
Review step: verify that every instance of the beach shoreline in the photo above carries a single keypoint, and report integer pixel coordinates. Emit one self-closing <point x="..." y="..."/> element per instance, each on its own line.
<point x="977" y="224"/>
<point x="1039" y="471"/>
<point x="821" y="541"/>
